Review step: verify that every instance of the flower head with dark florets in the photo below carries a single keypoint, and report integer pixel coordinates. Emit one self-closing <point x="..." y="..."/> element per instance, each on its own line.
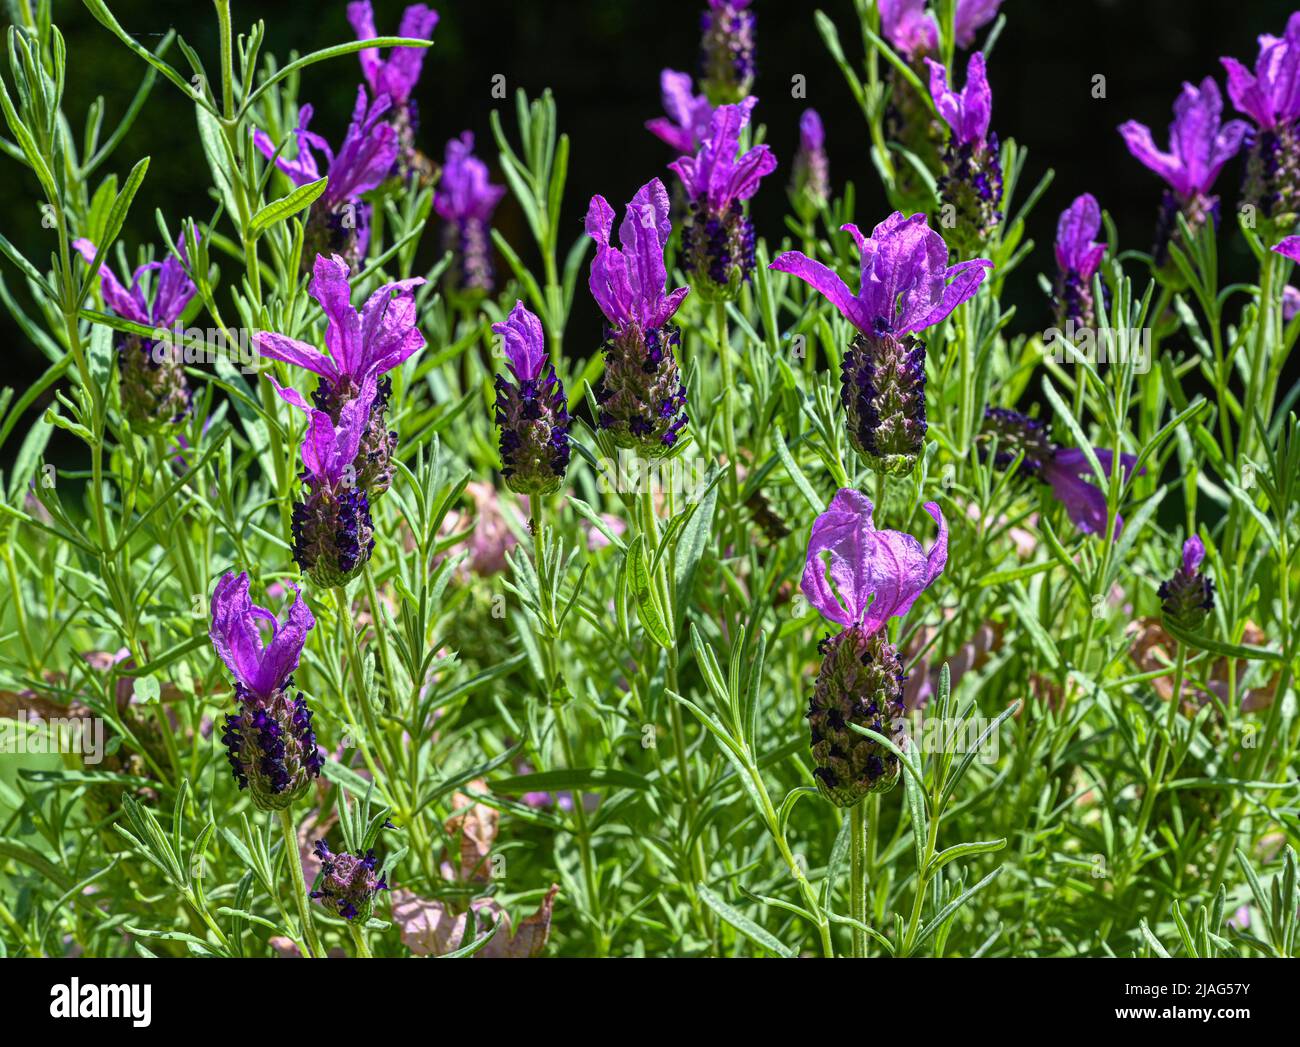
<point x="718" y="241"/>
<point x="1270" y="96"/>
<point x="340" y="218"/>
<point x="531" y="411"/>
<point x="333" y="535"/>
<point x="269" y="740"/>
<point x="1187" y="598"/>
<point x="1200" y="143"/>
<point x="971" y="183"/>
<point x="1008" y="435"/>
<point x="465" y="200"/>
<point x="1078" y="257"/>
<point x="727" y="68"/>
<point x="361" y="345"/>
<point x="347" y="883"/>
<point x="906" y="286"/>
<point x="859" y="577"/>
<point x="810" y="179"/>
<point x="155" y="394"/>
<point x="642" y="402"/>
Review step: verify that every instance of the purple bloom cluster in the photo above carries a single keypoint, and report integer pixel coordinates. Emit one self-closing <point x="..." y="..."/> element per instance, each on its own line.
<point x="347" y="883"/>
<point x="868" y="577"/>
<point x="1008" y="434"/>
<point x="1078" y="257"/>
<point x="465" y="200"/>
<point x="906" y="286"/>
<point x="972" y="177"/>
<point x="641" y="397"/>
<point x="727" y="50"/>
<point x="718" y="241"/>
<point x="155" y="394"/>
<point x="531" y="411"/>
<point x="269" y="742"/>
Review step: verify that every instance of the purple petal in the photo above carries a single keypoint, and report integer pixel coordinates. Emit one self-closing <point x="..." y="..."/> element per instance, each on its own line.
<point x="967" y="113"/>
<point x="330" y="287"/>
<point x="127" y="305"/>
<point x="812" y="136"/>
<point x="290" y="351"/>
<point x="907" y="27"/>
<point x="238" y="641"/>
<point x="1289" y="248"/>
<point x="1076" y="232"/>
<point x="465" y="190"/>
<point x="1193" y="554"/>
<point x="525" y="342"/>
<point x="970" y="17"/>
<point x="827" y="282"/>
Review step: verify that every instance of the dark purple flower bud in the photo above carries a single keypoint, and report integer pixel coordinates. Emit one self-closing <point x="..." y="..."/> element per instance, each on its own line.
<point x="362" y="346"/>
<point x="971" y="184"/>
<point x="465" y="200"/>
<point x="1188" y="597"/>
<point x="155" y="394"/>
<point x="347" y="883"/>
<point x="810" y="182"/>
<point x="531" y="411"/>
<point x="874" y="576"/>
<point x="1270" y="96"/>
<point x="1200" y="145"/>
<point x="396" y="77"/>
<point x="906" y="286"/>
<point x="1078" y="257"/>
<point x="333" y="535"/>
<point x="727" y="51"/>
<point x="718" y="241"/>
<point x="340" y="219"/>
<point x="269" y="741"/>
<point x="1065" y="469"/>
<point x="641" y="396"/>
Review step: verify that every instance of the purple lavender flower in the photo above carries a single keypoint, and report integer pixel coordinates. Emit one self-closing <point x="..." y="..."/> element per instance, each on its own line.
<point x="333" y="535"/>
<point x="1188" y="597"/>
<point x="727" y="51"/>
<point x="641" y="396"/>
<point x="532" y="410"/>
<point x="906" y="286"/>
<point x="718" y="241"/>
<point x="1064" y="469"/>
<point x="810" y="181"/>
<point x="689" y="114"/>
<point x="347" y="883"/>
<point x="1289" y="247"/>
<point x="1078" y="257"/>
<point x="340" y="219"/>
<point x="154" y="392"/>
<point x="396" y="77"/>
<point x="361" y="345"/>
<point x="465" y="201"/>
<point x="1271" y="97"/>
<point x="972" y="180"/>
<point x="970" y="17"/>
<point x="1200" y="144"/>
<point x="269" y="742"/>
<point x="907" y="27"/>
<point x="874" y="576"/>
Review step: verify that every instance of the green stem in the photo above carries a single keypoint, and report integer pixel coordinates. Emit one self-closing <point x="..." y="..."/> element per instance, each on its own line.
<point x="359" y="940"/>
<point x="857" y="878"/>
<point x="299" y="884"/>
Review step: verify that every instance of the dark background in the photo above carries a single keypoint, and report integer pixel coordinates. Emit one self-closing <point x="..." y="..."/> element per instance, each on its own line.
<point x="602" y="59"/>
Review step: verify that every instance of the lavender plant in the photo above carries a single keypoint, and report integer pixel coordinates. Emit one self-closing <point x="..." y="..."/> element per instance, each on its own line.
<point x="545" y="677"/>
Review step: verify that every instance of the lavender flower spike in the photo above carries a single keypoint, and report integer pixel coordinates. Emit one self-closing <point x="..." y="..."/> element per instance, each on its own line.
<point x="465" y="201"/>
<point x="340" y="219"/>
<point x="906" y="287"/>
<point x="1270" y="96"/>
<point x="641" y="396"/>
<point x="1188" y="597"/>
<point x="1078" y="257"/>
<point x="333" y="535"/>
<point x="874" y="576"/>
<point x="154" y="392"/>
<point x="810" y="181"/>
<point x="1200" y="144"/>
<point x="396" y="77"/>
<point x="1065" y="469"/>
<point x="688" y="116"/>
<point x="727" y="50"/>
<point x="347" y="883"/>
<point x="532" y="411"/>
<point x="718" y="241"/>
<point x="269" y="741"/>
<point x="365" y="344"/>
<point x="972" y="180"/>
